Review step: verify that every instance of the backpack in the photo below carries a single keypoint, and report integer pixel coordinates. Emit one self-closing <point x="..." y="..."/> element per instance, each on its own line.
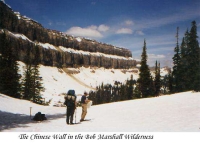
<point x="71" y="92"/>
<point x="70" y="99"/>
<point x="39" y="117"/>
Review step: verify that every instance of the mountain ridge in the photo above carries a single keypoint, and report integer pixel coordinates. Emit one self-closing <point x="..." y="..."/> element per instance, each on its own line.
<point x="35" y="32"/>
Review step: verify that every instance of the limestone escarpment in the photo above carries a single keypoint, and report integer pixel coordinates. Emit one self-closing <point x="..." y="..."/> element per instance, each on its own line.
<point x="67" y="51"/>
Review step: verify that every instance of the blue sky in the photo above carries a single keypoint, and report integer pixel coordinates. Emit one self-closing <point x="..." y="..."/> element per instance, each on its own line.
<point x="123" y="23"/>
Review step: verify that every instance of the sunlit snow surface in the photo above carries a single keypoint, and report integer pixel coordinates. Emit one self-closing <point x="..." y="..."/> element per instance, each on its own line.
<point x="169" y="113"/>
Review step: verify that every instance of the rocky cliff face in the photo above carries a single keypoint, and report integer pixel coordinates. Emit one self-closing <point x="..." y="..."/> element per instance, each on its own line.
<point x="63" y="50"/>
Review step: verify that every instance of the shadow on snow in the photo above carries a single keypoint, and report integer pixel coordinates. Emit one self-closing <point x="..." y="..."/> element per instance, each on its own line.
<point x="10" y="120"/>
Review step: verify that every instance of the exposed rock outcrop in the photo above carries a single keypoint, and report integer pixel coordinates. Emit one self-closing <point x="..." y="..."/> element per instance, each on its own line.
<point x="84" y="52"/>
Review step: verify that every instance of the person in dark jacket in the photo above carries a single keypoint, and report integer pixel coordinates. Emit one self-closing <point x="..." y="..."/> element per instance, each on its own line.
<point x="70" y="102"/>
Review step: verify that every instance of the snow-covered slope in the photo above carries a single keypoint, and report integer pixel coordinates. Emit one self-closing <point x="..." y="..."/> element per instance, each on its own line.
<point x="170" y="113"/>
<point x="57" y="81"/>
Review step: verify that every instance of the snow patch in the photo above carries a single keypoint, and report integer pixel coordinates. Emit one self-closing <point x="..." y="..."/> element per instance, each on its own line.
<point x="47" y="46"/>
<point x="78" y="39"/>
<point x="20" y="36"/>
<point x="6" y="3"/>
<point x="98" y="54"/>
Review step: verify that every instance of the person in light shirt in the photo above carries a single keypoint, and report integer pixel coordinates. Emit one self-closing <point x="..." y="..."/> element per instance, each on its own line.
<point x="84" y="101"/>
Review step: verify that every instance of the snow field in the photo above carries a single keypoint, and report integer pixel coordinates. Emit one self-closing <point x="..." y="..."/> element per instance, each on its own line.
<point x="170" y="113"/>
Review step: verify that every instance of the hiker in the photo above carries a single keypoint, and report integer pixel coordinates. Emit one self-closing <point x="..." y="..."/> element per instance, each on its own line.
<point x="84" y="101"/>
<point x="70" y="102"/>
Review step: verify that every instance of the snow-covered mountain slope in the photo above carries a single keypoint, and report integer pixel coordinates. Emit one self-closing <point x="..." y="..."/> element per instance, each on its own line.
<point x="57" y="81"/>
<point x="169" y="113"/>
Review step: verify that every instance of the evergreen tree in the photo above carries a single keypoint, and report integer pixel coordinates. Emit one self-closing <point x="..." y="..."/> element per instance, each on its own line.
<point x="98" y="95"/>
<point x="101" y="101"/>
<point x="32" y="82"/>
<point x="37" y="84"/>
<point x="137" y="93"/>
<point x="118" y="87"/>
<point x="122" y="92"/>
<point x="157" y="79"/>
<point x="170" y="82"/>
<point x="164" y="84"/>
<point x="152" y="87"/>
<point x="15" y="87"/>
<point x="37" y="80"/>
<point x="193" y="59"/>
<point x="144" y="75"/>
<point x="27" y="83"/>
<point x="176" y="67"/>
<point x="183" y="66"/>
<point x="130" y="88"/>
<point x="9" y="77"/>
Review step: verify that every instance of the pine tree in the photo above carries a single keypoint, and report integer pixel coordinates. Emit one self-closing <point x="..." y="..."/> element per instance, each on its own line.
<point x="170" y="83"/>
<point x="194" y="59"/>
<point x="37" y="80"/>
<point x="27" y="83"/>
<point x="122" y="92"/>
<point x="98" y="95"/>
<point x="101" y="101"/>
<point x="130" y="83"/>
<point x="152" y="87"/>
<point x="118" y="94"/>
<point x="137" y="93"/>
<point x="165" y="84"/>
<point x="9" y="77"/>
<point x="183" y="66"/>
<point x="37" y="84"/>
<point x="176" y="67"/>
<point x="15" y="85"/>
<point x="157" y="79"/>
<point x="144" y="75"/>
<point x="32" y="82"/>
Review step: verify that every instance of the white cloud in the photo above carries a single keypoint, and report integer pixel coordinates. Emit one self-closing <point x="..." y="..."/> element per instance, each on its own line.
<point x="124" y="31"/>
<point x="103" y="28"/>
<point x="90" y="32"/>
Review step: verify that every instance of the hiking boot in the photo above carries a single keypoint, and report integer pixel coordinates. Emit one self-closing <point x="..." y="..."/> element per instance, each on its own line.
<point x="71" y="123"/>
<point x="81" y="120"/>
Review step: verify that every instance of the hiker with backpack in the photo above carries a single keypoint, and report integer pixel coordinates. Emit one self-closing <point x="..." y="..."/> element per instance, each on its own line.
<point x="70" y="102"/>
<point x="84" y="101"/>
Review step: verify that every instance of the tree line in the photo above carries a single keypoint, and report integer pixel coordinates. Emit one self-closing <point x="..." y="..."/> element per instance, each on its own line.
<point x="185" y="74"/>
<point x="130" y="89"/>
<point x="186" y="70"/>
<point x="27" y="86"/>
